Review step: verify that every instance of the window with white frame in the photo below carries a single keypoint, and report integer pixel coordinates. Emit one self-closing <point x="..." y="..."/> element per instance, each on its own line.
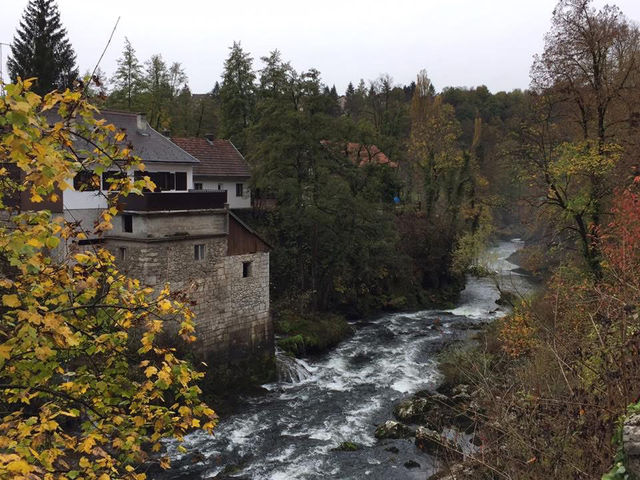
<point x="198" y="251"/>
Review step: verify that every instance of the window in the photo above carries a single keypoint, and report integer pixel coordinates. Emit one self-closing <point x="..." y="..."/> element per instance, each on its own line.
<point x="197" y="186"/>
<point x="246" y="269"/>
<point x="239" y="188"/>
<point x="86" y="181"/>
<point x="181" y="181"/>
<point x="122" y="253"/>
<point x="219" y="186"/>
<point x="127" y="223"/>
<point x="198" y="251"/>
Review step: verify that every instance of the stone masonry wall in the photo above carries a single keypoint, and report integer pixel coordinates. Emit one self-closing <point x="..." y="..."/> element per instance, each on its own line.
<point x="232" y="311"/>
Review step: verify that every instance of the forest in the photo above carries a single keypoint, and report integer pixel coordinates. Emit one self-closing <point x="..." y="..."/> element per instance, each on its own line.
<point x="382" y="198"/>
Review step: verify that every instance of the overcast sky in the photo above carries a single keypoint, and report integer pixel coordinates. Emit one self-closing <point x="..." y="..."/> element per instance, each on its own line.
<point x="458" y="42"/>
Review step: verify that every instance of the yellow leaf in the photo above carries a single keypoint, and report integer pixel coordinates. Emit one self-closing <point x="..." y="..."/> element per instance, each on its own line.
<point x="11" y="300"/>
<point x="5" y="351"/>
<point x="34" y="242"/>
<point x="149" y="371"/>
<point x="19" y="466"/>
<point x="165" y="305"/>
<point x="88" y="443"/>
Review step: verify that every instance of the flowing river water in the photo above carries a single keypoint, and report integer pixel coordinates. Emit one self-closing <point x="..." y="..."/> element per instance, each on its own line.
<point x="291" y="431"/>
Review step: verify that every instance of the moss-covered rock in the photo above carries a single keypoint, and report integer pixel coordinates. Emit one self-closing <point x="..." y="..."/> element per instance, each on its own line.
<point x="393" y="429"/>
<point x="310" y="334"/>
<point x="347" y="447"/>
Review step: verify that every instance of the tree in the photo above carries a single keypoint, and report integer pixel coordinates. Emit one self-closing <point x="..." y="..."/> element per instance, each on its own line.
<point x="128" y="79"/>
<point x="433" y="143"/>
<point x="87" y="390"/>
<point x="157" y="90"/>
<point x="590" y="59"/>
<point x="237" y="95"/>
<point x="585" y="74"/>
<point x="330" y="220"/>
<point x="41" y="49"/>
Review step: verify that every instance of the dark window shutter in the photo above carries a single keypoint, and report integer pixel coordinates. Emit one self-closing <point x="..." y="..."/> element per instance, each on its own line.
<point x="181" y="180"/>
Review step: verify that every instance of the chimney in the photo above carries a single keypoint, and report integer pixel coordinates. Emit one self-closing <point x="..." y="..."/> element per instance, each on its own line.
<point x="210" y="137"/>
<point x="141" y="123"/>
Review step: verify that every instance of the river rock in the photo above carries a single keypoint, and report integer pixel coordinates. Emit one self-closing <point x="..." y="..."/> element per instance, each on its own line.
<point x="631" y="443"/>
<point x="393" y="429"/>
<point x="459" y="471"/>
<point x="411" y="464"/>
<point x="422" y="408"/>
<point x="434" y="443"/>
<point x="429" y="440"/>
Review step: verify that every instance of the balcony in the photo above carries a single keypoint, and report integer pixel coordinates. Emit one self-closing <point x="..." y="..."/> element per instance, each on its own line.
<point x="168" y="201"/>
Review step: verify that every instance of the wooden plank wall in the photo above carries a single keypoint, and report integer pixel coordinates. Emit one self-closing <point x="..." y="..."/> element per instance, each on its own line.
<point x="241" y="241"/>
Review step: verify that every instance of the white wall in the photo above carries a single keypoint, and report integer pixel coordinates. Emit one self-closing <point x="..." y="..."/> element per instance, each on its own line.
<point x="230" y="186"/>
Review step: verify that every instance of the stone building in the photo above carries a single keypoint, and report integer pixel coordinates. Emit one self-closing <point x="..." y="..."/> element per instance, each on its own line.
<point x="189" y="238"/>
<point x="194" y="242"/>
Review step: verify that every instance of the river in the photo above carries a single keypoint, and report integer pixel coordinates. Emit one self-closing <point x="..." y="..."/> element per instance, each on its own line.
<point x="291" y="431"/>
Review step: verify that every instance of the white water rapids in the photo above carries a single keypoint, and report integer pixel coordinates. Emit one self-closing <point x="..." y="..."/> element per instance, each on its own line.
<point x="290" y="432"/>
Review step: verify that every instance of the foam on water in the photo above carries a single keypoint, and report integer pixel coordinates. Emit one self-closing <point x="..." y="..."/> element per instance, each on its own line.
<point x="292" y="430"/>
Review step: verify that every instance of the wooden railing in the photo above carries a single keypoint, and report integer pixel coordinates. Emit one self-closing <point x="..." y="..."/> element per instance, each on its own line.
<point x="167" y="201"/>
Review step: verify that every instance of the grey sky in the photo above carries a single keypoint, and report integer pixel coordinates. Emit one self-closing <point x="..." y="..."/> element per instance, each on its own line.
<point x="458" y="42"/>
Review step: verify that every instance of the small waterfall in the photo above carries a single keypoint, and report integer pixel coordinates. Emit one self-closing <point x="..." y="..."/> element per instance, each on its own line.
<point x="290" y="369"/>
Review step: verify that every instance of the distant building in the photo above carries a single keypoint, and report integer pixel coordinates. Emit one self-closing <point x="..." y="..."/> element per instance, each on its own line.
<point x="360" y="154"/>
<point x="221" y="167"/>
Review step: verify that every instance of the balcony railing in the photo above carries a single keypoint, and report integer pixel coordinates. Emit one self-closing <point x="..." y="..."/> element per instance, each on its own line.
<point x="167" y="201"/>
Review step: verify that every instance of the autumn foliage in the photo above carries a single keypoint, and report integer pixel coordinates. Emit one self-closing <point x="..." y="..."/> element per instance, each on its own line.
<point x="86" y="390"/>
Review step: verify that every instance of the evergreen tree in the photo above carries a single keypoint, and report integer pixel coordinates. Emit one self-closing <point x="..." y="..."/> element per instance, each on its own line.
<point x="237" y="95"/>
<point x="350" y="90"/>
<point x="328" y="209"/>
<point x="128" y="79"/>
<point x="157" y="90"/>
<point x="41" y="49"/>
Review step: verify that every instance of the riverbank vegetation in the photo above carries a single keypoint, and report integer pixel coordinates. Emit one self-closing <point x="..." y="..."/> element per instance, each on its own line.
<point x="552" y="380"/>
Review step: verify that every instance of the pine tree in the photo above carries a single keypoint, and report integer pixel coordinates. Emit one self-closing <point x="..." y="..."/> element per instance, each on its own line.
<point x="237" y="95"/>
<point x="41" y="49"/>
<point x="127" y="79"/>
<point x="157" y="90"/>
<point x="351" y="91"/>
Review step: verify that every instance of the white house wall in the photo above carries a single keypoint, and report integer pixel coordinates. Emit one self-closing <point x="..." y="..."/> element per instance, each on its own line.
<point x="230" y="187"/>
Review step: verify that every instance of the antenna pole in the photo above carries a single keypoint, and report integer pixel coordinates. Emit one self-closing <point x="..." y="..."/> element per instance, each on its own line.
<point x="1" y="72"/>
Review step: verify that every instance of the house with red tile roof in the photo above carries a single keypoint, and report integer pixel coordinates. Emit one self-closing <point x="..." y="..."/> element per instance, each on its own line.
<point x="221" y="167"/>
<point x="361" y="154"/>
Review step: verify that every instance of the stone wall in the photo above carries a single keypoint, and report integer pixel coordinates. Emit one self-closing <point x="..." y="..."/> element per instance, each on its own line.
<point x="232" y="311"/>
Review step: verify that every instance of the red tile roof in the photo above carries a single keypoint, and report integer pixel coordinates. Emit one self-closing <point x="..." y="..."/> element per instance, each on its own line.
<point x="218" y="158"/>
<point x="362" y="154"/>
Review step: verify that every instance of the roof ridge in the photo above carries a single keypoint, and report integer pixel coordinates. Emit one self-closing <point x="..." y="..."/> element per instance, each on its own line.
<point x="173" y="144"/>
<point x="118" y="112"/>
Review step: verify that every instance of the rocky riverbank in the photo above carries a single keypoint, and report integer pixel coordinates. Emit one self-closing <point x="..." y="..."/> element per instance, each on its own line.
<point x="445" y="421"/>
<point x="442" y="422"/>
